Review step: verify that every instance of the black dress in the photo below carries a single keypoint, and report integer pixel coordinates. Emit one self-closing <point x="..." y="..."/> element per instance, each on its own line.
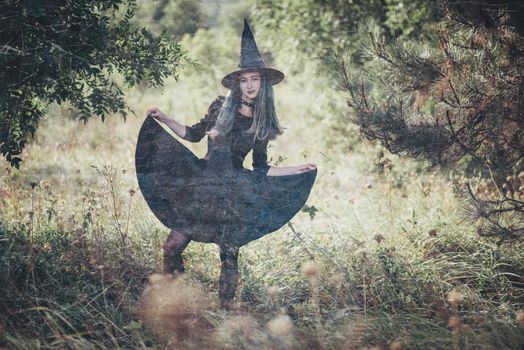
<point x="215" y="199"/>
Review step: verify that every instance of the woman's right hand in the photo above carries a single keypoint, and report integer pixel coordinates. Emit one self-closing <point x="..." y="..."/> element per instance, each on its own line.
<point x="156" y="113"/>
<point x="179" y="129"/>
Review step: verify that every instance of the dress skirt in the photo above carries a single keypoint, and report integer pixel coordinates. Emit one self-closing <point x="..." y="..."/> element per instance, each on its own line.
<point x="209" y="201"/>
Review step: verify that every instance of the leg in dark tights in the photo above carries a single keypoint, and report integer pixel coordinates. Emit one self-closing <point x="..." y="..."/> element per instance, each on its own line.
<point x="228" y="275"/>
<point x="173" y="248"/>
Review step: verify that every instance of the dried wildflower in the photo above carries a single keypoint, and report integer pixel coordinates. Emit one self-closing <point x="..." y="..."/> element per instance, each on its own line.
<point x="395" y="345"/>
<point x="482" y="186"/>
<point x="273" y="292"/>
<point x="363" y="254"/>
<point x="454" y="323"/>
<point x="433" y="233"/>
<point x="379" y="238"/>
<point x="280" y="325"/>
<point x="299" y="309"/>
<point x="455" y="298"/>
<point x="175" y="310"/>
<point x="439" y="309"/>
<point x="386" y="162"/>
<point x="238" y="328"/>
<point x="157" y="278"/>
<point x="310" y="269"/>
<point x="33" y="184"/>
<point x="46" y="184"/>
<point x="519" y="317"/>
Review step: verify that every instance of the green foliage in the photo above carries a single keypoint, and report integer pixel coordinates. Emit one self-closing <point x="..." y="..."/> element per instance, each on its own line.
<point x="314" y="27"/>
<point x="319" y="27"/>
<point x="214" y="55"/>
<point x="56" y="53"/>
<point x="230" y="13"/>
<point x="176" y="18"/>
<point x="457" y="96"/>
<point x="304" y="31"/>
<point x="411" y="19"/>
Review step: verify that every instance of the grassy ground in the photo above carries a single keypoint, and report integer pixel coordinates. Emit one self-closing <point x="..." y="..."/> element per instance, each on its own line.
<point x="379" y="258"/>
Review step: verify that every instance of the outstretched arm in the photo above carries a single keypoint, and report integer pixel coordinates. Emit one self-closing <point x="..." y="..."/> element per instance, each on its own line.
<point x="193" y="133"/>
<point x="178" y="128"/>
<point x="260" y="163"/>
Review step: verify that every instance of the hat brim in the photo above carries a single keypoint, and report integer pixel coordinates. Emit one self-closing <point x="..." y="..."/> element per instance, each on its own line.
<point x="274" y="76"/>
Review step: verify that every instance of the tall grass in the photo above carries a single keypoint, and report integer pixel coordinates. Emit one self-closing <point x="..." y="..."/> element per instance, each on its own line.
<point x="380" y="257"/>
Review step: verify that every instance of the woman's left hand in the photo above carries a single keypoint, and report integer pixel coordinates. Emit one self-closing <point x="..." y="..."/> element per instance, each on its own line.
<point x="306" y="167"/>
<point x="291" y="170"/>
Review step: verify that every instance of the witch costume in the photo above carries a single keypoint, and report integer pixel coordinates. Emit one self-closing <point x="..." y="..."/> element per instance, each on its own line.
<point x="215" y="199"/>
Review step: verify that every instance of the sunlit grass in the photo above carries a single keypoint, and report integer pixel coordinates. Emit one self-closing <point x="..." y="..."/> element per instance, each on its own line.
<point x="369" y="263"/>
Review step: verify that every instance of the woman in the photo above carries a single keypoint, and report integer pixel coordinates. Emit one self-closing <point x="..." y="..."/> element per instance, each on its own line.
<point x="215" y="199"/>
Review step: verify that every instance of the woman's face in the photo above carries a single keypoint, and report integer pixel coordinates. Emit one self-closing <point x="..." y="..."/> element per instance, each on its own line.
<point x="249" y="85"/>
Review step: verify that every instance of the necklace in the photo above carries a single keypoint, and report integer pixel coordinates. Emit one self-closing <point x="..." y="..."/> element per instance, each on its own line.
<point x="244" y="102"/>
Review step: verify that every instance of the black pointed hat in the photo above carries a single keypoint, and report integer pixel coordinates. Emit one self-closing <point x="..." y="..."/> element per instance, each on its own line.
<point x="250" y="59"/>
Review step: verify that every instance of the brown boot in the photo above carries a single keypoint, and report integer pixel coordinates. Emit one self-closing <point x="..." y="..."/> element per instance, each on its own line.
<point x="228" y="275"/>
<point x="173" y="248"/>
